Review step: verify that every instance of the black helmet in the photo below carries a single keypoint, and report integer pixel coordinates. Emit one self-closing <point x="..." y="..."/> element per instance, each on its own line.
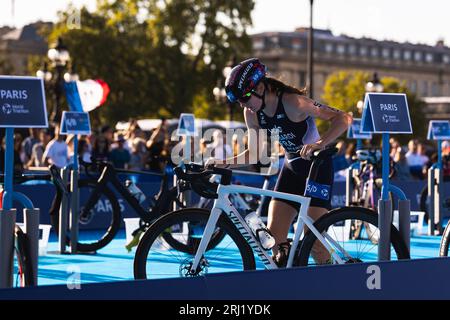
<point x="244" y="78"/>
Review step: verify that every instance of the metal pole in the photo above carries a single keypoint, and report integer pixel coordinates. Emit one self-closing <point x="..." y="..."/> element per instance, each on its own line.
<point x="7" y="215"/>
<point x="63" y="214"/>
<point x="311" y="52"/>
<point x="384" y="224"/>
<point x="7" y="225"/>
<point x="31" y="221"/>
<point x="348" y="185"/>
<point x="438" y="207"/>
<point x="58" y="93"/>
<point x="431" y="196"/>
<point x="359" y="144"/>
<point x="9" y="169"/>
<point x="404" y="221"/>
<point x="74" y="212"/>
<point x="385" y="206"/>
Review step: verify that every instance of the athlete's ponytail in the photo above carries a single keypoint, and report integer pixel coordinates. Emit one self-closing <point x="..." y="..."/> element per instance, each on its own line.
<point x="277" y="86"/>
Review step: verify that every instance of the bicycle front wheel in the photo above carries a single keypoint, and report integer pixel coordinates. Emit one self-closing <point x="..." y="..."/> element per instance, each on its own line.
<point x="155" y="258"/>
<point x="338" y="227"/>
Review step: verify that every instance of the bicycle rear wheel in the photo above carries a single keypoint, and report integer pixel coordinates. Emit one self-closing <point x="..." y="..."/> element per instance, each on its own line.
<point x="155" y="258"/>
<point x="99" y="224"/>
<point x="23" y="272"/>
<point x="445" y="242"/>
<point x="339" y="225"/>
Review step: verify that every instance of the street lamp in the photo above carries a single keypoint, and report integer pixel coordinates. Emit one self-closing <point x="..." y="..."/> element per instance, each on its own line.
<point x="373" y="85"/>
<point x="59" y="57"/>
<point x="44" y="74"/>
<point x="71" y="75"/>
<point x="310" y="59"/>
<point x="220" y="94"/>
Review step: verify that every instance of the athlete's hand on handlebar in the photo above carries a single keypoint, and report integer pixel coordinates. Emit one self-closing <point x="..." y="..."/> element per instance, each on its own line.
<point x="308" y="149"/>
<point x="210" y="163"/>
<point x="215" y="163"/>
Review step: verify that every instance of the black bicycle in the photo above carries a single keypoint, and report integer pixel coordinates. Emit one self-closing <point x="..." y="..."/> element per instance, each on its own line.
<point x="367" y="188"/>
<point x="102" y="210"/>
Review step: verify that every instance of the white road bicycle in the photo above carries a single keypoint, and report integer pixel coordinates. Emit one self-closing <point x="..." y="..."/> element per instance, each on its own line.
<point x="245" y="203"/>
<point x="236" y="251"/>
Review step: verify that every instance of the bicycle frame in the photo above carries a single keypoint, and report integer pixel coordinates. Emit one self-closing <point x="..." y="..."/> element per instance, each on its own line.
<point x="238" y="200"/>
<point x="223" y="204"/>
<point x="109" y="175"/>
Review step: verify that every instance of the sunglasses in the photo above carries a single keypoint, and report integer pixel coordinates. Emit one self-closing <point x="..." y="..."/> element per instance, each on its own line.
<point x="248" y="95"/>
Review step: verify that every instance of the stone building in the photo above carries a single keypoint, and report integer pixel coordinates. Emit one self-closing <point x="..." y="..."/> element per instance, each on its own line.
<point x="424" y="68"/>
<point x="17" y="45"/>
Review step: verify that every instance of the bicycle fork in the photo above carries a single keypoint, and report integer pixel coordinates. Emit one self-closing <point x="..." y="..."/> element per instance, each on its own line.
<point x="207" y="234"/>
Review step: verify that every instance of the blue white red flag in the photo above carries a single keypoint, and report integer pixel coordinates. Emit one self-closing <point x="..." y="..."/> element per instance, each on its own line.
<point x="85" y="96"/>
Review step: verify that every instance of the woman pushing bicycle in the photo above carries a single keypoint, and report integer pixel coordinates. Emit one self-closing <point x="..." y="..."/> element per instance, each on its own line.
<point x="288" y="115"/>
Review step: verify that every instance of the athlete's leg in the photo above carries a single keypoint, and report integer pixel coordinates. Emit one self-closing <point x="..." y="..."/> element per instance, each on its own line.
<point x="279" y="220"/>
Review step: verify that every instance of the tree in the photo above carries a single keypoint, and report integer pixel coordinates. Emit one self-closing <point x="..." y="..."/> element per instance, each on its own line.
<point x="158" y="57"/>
<point x="5" y="66"/>
<point x="344" y="89"/>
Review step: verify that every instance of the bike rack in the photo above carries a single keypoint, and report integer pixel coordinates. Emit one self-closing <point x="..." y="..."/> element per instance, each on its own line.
<point x="63" y="213"/>
<point x="75" y="199"/>
<point x="8" y="221"/>
<point x="69" y="211"/>
<point x="385" y="211"/>
<point x="435" y="190"/>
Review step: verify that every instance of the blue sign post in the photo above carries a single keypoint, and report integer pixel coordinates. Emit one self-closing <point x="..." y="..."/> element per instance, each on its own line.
<point x="22" y="105"/>
<point x="438" y="130"/>
<point x="22" y="102"/>
<point x="387" y="113"/>
<point x="354" y="132"/>
<point x="74" y="122"/>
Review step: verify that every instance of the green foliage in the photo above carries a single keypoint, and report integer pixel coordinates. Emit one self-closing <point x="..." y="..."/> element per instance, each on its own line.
<point x="160" y="58"/>
<point x="344" y="89"/>
<point x="5" y="66"/>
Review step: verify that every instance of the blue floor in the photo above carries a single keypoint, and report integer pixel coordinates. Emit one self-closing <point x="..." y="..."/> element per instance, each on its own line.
<point x="114" y="263"/>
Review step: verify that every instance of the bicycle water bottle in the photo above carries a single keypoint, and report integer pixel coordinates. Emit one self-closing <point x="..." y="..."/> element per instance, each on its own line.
<point x="260" y="230"/>
<point x="135" y="191"/>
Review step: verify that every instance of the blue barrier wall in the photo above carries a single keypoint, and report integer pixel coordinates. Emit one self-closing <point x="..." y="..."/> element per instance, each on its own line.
<point x="41" y="193"/>
<point x="411" y="279"/>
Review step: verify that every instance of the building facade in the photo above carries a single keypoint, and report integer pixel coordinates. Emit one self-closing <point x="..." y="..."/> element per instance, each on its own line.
<point x="17" y="45"/>
<point x="424" y="68"/>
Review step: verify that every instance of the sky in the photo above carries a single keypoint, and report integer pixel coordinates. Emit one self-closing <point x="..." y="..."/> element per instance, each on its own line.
<point x="414" y="21"/>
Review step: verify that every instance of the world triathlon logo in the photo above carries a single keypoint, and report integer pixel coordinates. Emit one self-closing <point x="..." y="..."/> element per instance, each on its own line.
<point x="71" y="122"/>
<point x="6" y="108"/>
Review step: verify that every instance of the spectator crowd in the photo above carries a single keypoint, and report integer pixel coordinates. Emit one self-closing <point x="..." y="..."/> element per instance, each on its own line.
<point x="135" y="149"/>
<point x="411" y="162"/>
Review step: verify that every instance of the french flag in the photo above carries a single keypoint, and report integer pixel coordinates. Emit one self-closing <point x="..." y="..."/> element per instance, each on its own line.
<point x="85" y="96"/>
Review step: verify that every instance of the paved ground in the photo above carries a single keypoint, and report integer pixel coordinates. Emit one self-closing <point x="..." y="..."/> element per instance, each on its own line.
<point x="113" y="263"/>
